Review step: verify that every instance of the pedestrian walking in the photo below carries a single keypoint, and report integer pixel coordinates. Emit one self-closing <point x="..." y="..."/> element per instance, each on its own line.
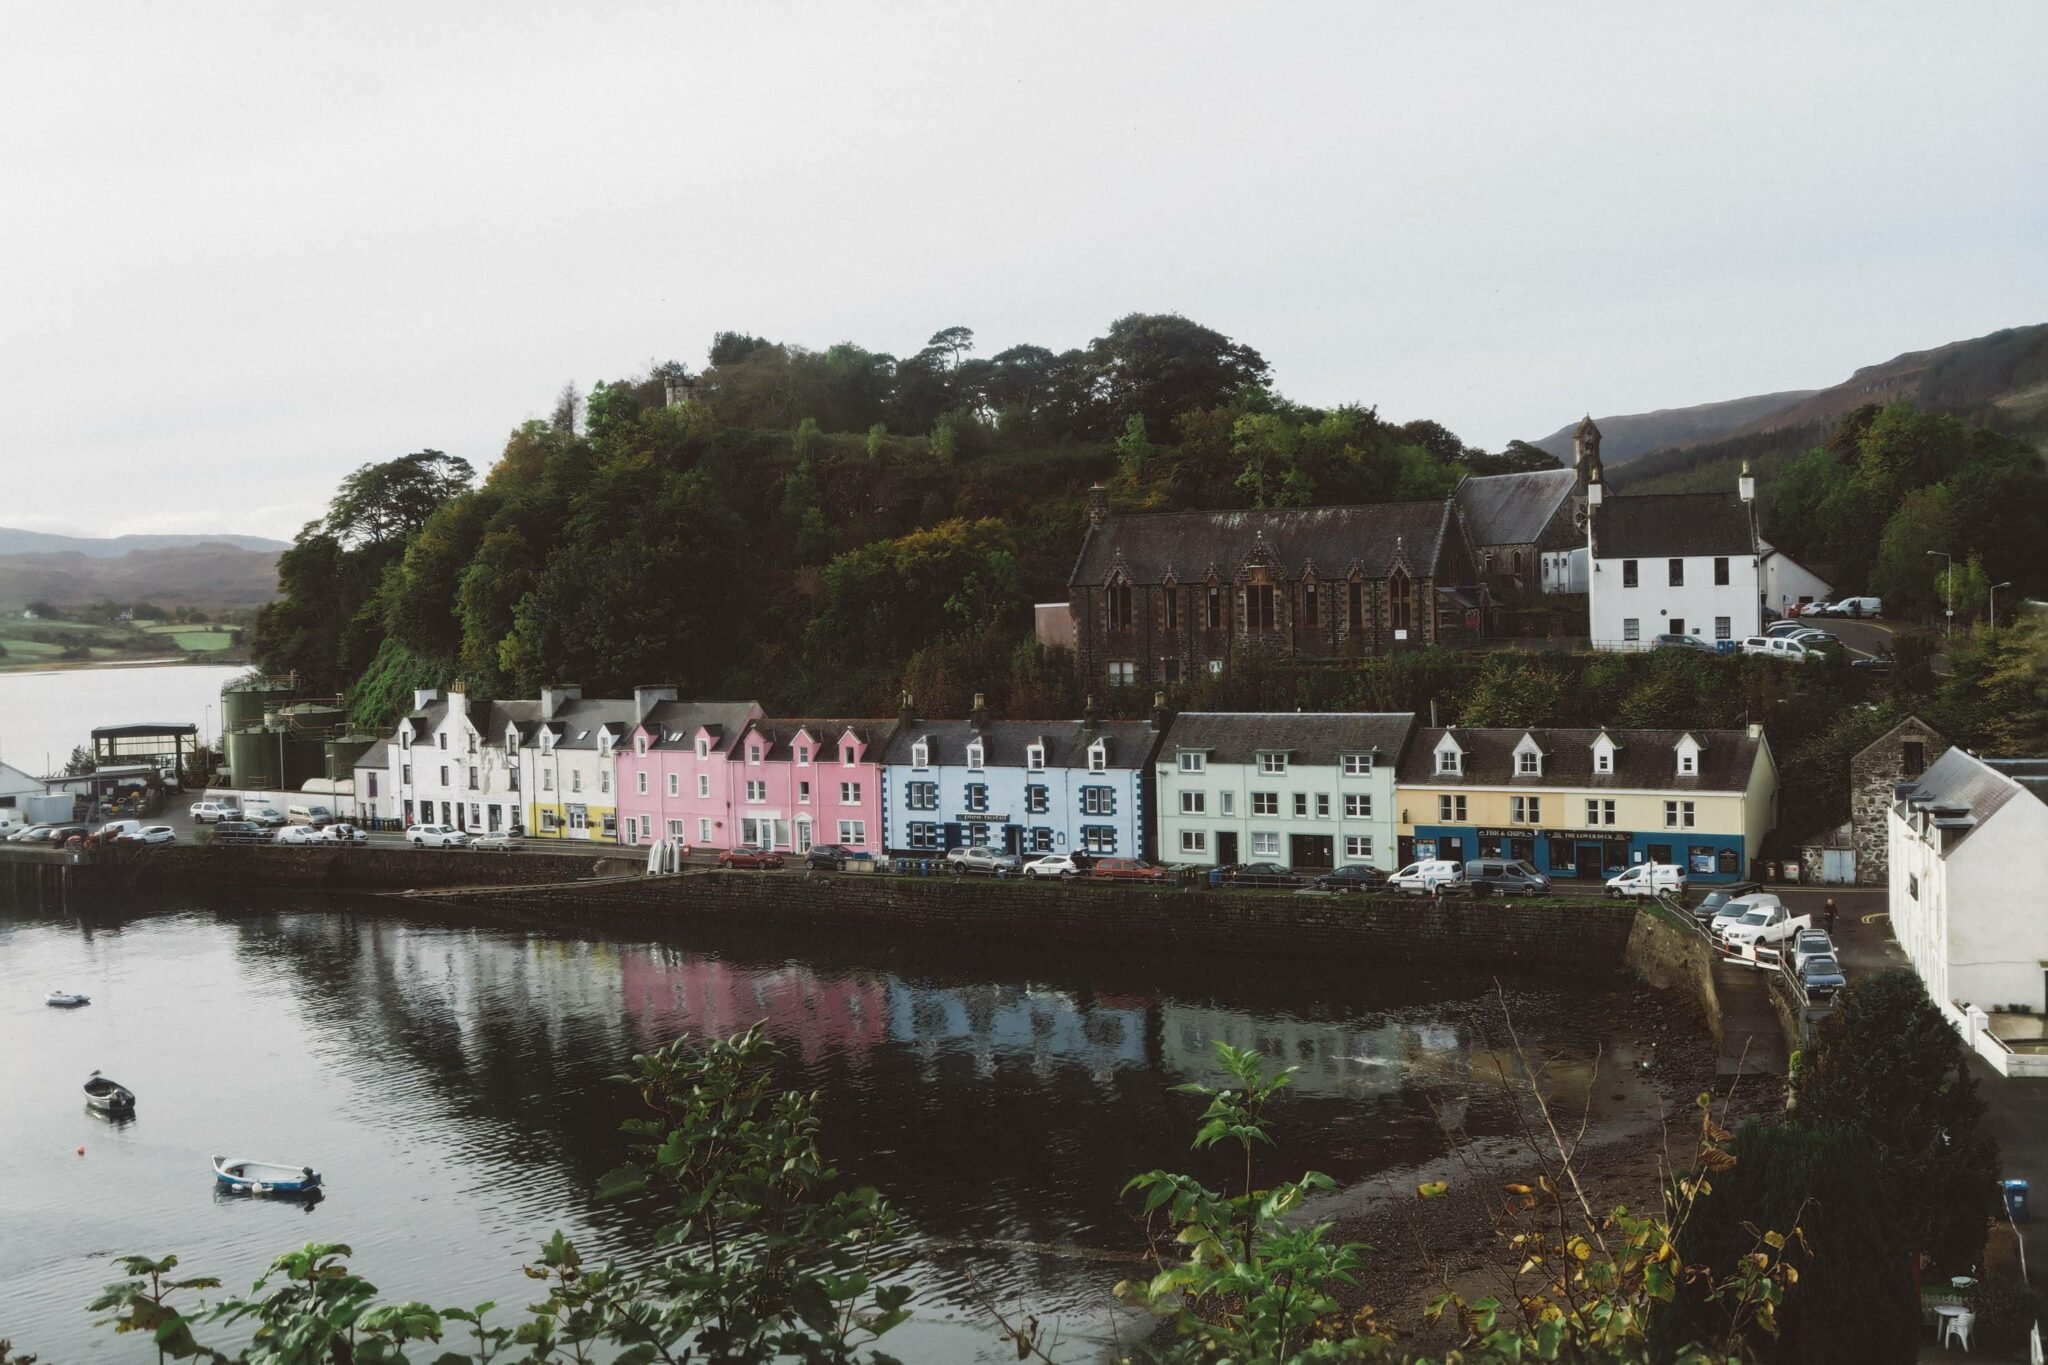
<point x="1828" y="914"/>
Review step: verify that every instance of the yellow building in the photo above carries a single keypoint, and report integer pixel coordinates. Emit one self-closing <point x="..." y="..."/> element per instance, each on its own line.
<point x="1589" y="803"/>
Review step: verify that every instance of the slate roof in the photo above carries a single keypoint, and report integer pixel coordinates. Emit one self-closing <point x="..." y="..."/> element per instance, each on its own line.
<point x="1646" y="760"/>
<point x="378" y="755"/>
<point x="781" y="733"/>
<point x="1514" y="509"/>
<point x="1004" y="742"/>
<point x="1190" y="544"/>
<point x="577" y="723"/>
<point x="1672" y="526"/>
<point x="425" y="720"/>
<point x="1309" y="737"/>
<point x="1961" y="781"/>
<point x="679" y="721"/>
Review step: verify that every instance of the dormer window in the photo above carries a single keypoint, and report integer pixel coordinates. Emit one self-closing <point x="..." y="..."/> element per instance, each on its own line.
<point x="703" y="748"/>
<point x="921" y="755"/>
<point x="511" y="739"/>
<point x="803" y="755"/>
<point x="974" y="755"/>
<point x="1272" y="763"/>
<point x="846" y="755"/>
<point x="1688" y="763"/>
<point x="640" y="746"/>
<point x="1098" y="757"/>
<point x="405" y="739"/>
<point x="1688" y="756"/>
<point x="1034" y="758"/>
<point x="753" y="753"/>
<point x="1603" y="761"/>
<point x="1528" y="763"/>
<point x="547" y="741"/>
<point x="1450" y="759"/>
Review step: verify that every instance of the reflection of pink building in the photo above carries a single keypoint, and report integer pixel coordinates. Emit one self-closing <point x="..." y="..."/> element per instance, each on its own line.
<point x="671" y="775"/>
<point x="795" y="783"/>
<point x="806" y="1014"/>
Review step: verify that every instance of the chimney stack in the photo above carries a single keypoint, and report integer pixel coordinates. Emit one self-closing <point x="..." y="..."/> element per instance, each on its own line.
<point x="905" y="712"/>
<point x="645" y="698"/>
<point x="1158" y="710"/>
<point x="422" y="697"/>
<point x="555" y="696"/>
<point x="1746" y="485"/>
<point x="979" y="715"/>
<point x="1098" y="506"/>
<point x="1089" y="722"/>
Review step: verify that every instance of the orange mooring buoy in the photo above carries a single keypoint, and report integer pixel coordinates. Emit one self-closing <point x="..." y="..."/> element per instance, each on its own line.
<point x="81" y="1151"/>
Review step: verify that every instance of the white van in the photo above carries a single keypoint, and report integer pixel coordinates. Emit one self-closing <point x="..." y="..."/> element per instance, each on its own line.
<point x="1858" y="606"/>
<point x="1426" y="876"/>
<point x="1648" y="879"/>
<point x="1789" y="650"/>
<point x="306" y="815"/>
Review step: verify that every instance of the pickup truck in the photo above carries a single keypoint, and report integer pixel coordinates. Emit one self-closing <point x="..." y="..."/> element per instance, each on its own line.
<point x="978" y="858"/>
<point x="1766" y="924"/>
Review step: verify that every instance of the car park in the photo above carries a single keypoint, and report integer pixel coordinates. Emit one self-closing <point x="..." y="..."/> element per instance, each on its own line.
<point x="1822" y="977"/>
<point x="1126" y="870"/>
<point x="1646" y="879"/>
<point x="436" y="836"/>
<point x="116" y="830"/>
<point x="1055" y="865"/>
<point x="269" y="816"/>
<point x="240" y="832"/>
<point x="1735" y="908"/>
<point x="204" y="811"/>
<point x="1692" y="642"/>
<point x="1784" y="630"/>
<point x="1504" y="877"/>
<point x="983" y="859"/>
<point x="1427" y="876"/>
<point x="1811" y="943"/>
<point x="1711" y="903"/>
<point x="1763" y="925"/>
<point x="828" y="857"/>
<point x="1860" y="607"/>
<point x="498" y="841"/>
<point x="1360" y="877"/>
<point x="750" y="856"/>
<point x="152" y="834"/>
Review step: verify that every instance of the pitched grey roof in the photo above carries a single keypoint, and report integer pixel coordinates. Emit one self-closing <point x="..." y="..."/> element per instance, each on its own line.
<point x="378" y="755"/>
<point x="1966" y="785"/>
<point x="1672" y="526"/>
<point x="578" y="724"/>
<point x="1645" y="760"/>
<point x="1514" y="509"/>
<point x="1308" y="737"/>
<point x="679" y="721"/>
<point x="780" y="733"/>
<point x="1005" y="742"/>
<point x="1189" y="544"/>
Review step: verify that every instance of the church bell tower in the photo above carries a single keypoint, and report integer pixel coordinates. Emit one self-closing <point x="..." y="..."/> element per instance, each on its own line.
<point x="1586" y="452"/>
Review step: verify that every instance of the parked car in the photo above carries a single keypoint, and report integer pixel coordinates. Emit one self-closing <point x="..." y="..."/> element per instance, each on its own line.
<point x="1352" y="877"/>
<point x="309" y="815"/>
<point x="498" y="841"/>
<point x="1127" y="870"/>
<point x="1877" y="663"/>
<point x="1504" y="877"/>
<point x="1811" y="943"/>
<point x="981" y="858"/>
<point x="1734" y="909"/>
<point x="299" y="834"/>
<point x="1770" y="924"/>
<point x="1783" y="630"/>
<point x="1817" y="640"/>
<point x="155" y="834"/>
<point x="1711" y="903"/>
<point x="1056" y="865"/>
<point x="1647" y="879"/>
<point x="750" y="855"/>
<point x="31" y="834"/>
<point x="1860" y="607"/>
<point x="61" y="835"/>
<point x="830" y="857"/>
<point x="342" y="833"/>
<point x="240" y="832"/>
<point x="1692" y="642"/>
<point x="203" y="811"/>
<point x="268" y="816"/>
<point x="1822" y="609"/>
<point x="436" y="836"/>
<point x="1788" y="650"/>
<point x="1427" y="876"/>
<point x="116" y="830"/>
<point x="1822" y="976"/>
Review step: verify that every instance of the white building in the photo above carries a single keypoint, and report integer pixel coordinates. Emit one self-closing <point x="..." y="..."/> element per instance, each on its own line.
<point x="1968" y="842"/>
<point x="1789" y="583"/>
<point x="1674" y="564"/>
<point x="376" y="795"/>
<point x="1307" y="790"/>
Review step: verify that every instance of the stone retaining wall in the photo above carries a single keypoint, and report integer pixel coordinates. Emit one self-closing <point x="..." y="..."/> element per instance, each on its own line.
<point x="196" y="866"/>
<point x="1670" y="957"/>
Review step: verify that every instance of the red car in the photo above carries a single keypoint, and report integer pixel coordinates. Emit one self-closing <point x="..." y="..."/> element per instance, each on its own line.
<point x="746" y="855"/>
<point x="1127" y="870"/>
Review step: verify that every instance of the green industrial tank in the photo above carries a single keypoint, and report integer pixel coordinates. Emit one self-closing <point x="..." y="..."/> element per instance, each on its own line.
<point x="342" y="753"/>
<point x="252" y="758"/>
<point x="241" y="704"/>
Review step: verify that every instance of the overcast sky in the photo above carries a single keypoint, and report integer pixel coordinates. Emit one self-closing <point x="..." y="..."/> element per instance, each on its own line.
<point x="245" y="249"/>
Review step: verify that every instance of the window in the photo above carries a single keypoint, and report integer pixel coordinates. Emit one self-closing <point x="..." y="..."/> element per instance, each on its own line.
<point x="1678" y="815"/>
<point x="1172" y="596"/>
<point x="547" y="779"/>
<point x="1354" y="608"/>
<point x="1193" y="763"/>
<point x="405" y="774"/>
<point x="442" y="740"/>
<point x="846" y="755"/>
<point x="1308" y="605"/>
<point x="1215" y="608"/>
<point x="1528" y="763"/>
<point x="1301" y="805"/>
<point x="1913" y="757"/>
<point x="704" y="830"/>
<point x="1265" y="845"/>
<point x="1631" y="628"/>
<point x="1449" y="761"/>
<point x="1398" y="599"/>
<point x="920" y="755"/>
<point x="633" y="829"/>
<point x="444" y="774"/>
<point x="1098" y="838"/>
<point x="977" y="796"/>
<point x="1721" y="572"/>
<point x="1599" y="812"/>
<point x="472" y="777"/>
<point x="549" y="822"/>
<point x="704" y="785"/>
<point x="1119" y="599"/>
<point x="1265" y="803"/>
<point x="1194" y="803"/>
<point x="1357" y="806"/>
<point x="1912" y="886"/>
<point x="1628" y="573"/>
<point x="675" y="829"/>
<point x="575" y="779"/>
<point x="1450" y="809"/>
<point x="853" y="831"/>
<point x="803" y="755"/>
<point x="974" y="754"/>
<point x="921" y="795"/>
<point x="849" y="793"/>
<point x="1034" y="758"/>
<point x="1037" y="798"/>
<point x="1228" y="806"/>
<point x="1098" y="801"/>
<point x="604" y="779"/>
<point x="1272" y="763"/>
<point x="1258" y="606"/>
<point x="579" y="818"/>
<point x="923" y="834"/>
<point x="372" y="793"/>
<point x="1358" y="765"/>
<point x="703" y="748"/>
<point x="1122" y="673"/>
<point x="1194" y="841"/>
<point x="640" y="779"/>
<point x="1527" y="810"/>
<point x="1038" y="839"/>
<point x="753" y="753"/>
<point x="1098" y="757"/>
<point x="1358" y="847"/>
<point x="1676" y="569"/>
<point x="803" y="793"/>
<point x="757" y="792"/>
<point x="639" y="746"/>
<point x="1724" y="628"/>
<point x="1688" y="763"/>
<point x="674" y="784"/>
<point x="1322" y="805"/>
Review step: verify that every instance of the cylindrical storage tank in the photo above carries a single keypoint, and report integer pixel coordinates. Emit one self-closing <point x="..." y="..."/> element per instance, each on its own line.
<point x="342" y="754"/>
<point x="304" y="759"/>
<point x="252" y="758"/>
<point x="243" y="705"/>
<point x="313" y="715"/>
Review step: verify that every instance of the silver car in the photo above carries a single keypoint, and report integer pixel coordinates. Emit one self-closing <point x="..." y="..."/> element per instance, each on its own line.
<point x="981" y="859"/>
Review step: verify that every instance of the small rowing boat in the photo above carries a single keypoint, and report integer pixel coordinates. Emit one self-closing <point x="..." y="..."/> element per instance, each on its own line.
<point x="264" y="1177"/>
<point x="108" y="1096"/>
<point x="66" y="1000"/>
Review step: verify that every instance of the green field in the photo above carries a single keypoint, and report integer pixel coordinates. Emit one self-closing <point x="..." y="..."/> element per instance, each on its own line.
<point x="28" y="649"/>
<point x="112" y="640"/>
<point x="204" y="639"/>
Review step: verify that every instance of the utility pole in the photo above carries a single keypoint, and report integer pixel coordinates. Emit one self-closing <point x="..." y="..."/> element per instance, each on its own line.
<point x="1948" y="578"/>
<point x="1994" y="603"/>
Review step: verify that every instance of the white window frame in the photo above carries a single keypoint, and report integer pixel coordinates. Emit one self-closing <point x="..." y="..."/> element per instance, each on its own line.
<point x="1270" y="762"/>
<point x="1322" y="805"/>
<point x="703" y="786"/>
<point x="1631" y="629"/>
<point x="1034" y="758"/>
<point x="1098" y="757"/>
<point x="1358" y="805"/>
<point x="1528" y="763"/>
<point x="849" y="793"/>
<point x="1301" y="805"/>
<point x="757" y="793"/>
<point x="1193" y="761"/>
<point x="703" y="829"/>
<point x="853" y="831"/>
<point x="1265" y="803"/>
<point x="803" y="755"/>
<point x="641" y="780"/>
<point x="703" y="748"/>
<point x="920" y="755"/>
<point x="1451" y="808"/>
<point x="846" y="756"/>
<point x="1265" y="844"/>
<point x="976" y="756"/>
<point x="1358" y="847"/>
<point x="675" y="784"/>
<point x="1194" y="841"/>
<point x="1194" y="803"/>
<point x="1358" y="765"/>
<point x="1450" y="763"/>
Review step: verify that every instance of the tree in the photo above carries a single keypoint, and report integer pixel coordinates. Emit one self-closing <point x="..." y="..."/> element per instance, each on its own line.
<point x="1902" y="577"/>
<point x="954" y="341"/>
<point x="568" y="407"/>
<point x="383" y="503"/>
<point x="1885" y="1062"/>
<point x="1161" y="365"/>
<point x="80" y="763"/>
<point x="43" y="609"/>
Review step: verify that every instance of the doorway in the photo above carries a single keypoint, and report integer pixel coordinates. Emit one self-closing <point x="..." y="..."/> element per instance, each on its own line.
<point x="1313" y="851"/>
<point x="1226" y="847"/>
<point x="1592" y="862"/>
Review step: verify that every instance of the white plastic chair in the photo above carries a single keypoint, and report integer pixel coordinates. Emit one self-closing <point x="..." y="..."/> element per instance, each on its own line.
<point x="1956" y="1326"/>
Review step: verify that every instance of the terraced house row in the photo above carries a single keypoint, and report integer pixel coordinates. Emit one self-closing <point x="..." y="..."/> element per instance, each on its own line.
<point x="1311" y="791"/>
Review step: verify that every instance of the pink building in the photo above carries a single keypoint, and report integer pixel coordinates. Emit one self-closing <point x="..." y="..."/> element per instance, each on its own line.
<point x="795" y="783"/>
<point x="671" y="773"/>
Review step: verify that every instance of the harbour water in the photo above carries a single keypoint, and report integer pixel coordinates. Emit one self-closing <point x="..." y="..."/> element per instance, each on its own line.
<point x="448" y="1077"/>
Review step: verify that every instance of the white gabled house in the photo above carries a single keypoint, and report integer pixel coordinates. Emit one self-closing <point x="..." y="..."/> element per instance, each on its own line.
<point x="1674" y="564"/>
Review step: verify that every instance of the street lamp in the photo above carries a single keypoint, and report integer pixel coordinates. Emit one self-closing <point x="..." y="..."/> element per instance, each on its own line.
<point x="1994" y="603"/>
<point x="1948" y="577"/>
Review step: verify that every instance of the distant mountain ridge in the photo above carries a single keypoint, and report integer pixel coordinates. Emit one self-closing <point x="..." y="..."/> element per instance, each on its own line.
<point x="1624" y="437"/>
<point x="208" y="575"/>
<point x="17" y="542"/>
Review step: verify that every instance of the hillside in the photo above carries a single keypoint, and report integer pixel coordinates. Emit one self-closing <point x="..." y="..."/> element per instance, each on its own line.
<point x="2000" y="380"/>
<point x="1624" y="437"/>
<point x="210" y="575"/>
<point x="18" y="542"/>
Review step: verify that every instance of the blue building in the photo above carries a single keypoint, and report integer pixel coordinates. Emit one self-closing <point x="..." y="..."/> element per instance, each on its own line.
<point x="1024" y="786"/>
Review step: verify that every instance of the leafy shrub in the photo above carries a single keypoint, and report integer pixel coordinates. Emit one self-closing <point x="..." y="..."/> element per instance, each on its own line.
<point x="2006" y="1307"/>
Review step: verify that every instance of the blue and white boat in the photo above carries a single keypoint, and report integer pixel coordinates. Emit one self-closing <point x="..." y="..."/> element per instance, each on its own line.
<point x="264" y="1177"/>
